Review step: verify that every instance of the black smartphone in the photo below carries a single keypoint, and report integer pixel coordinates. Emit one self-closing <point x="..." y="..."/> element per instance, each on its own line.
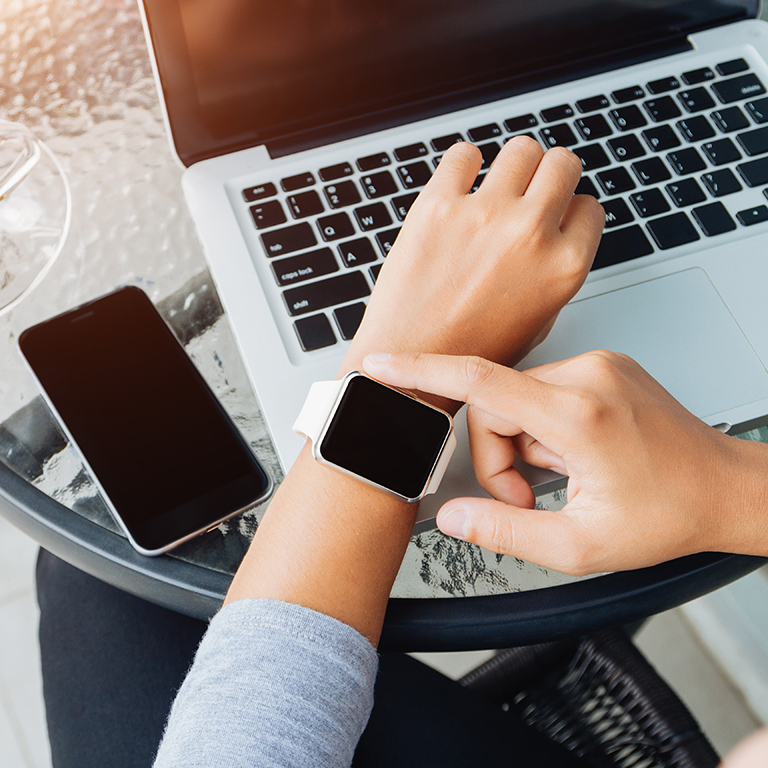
<point x="165" y="454"/>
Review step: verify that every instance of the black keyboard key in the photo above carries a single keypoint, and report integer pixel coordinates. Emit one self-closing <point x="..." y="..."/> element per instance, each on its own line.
<point x="314" y="332"/>
<point x="713" y="219"/>
<point x="268" y="214"/>
<point x="336" y="226"/>
<point x="627" y="147"/>
<point x="289" y="239"/>
<point x="414" y="175"/>
<point x="628" y="118"/>
<point x="305" y="204"/>
<point x="342" y="194"/>
<point x="558" y="136"/>
<point x="663" y="85"/>
<point x="520" y="123"/>
<point x="662" y="109"/>
<point x="615" y="181"/>
<point x="373" y="216"/>
<point x="721" y="183"/>
<point x="593" y="103"/>
<point x="374" y="272"/>
<point x="755" y="172"/>
<point x="489" y="152"/>
<point x="738" y="88"/>
<point x="721" y="151"/>
<point x="696" y="99"/>
<point x="441" y="143"/>
<point x="356" y="252"/>
<point x="379" y="184"/>
<point x="686" y="161"/>
<point x="403" y="203"/>
<point x="696" y="76"/>
<point x="754" y="142"/>
<point x="617" y="213"/>
<point x="259" y="192"/>
<point x="305" y="266"/>
<point x="338" y="171"/>
<point x="661" y="138"/>
<point x="651" y="171"/>
<point x="751" y="216"/>
<point x="298" y="181"/>
<point x="685" y="192"/>
<point x="325" y="293"/>
<point x="371" y="162"/>
<point x="553" y="114"/>
<point x="732" y="67"/>
<point x="730" y="119"/>
<point x="758" y="110"/>
<point x="386" y="239"/>
<point x="484" y="132"/>
<point x="623" y="95"/>
<point x="410" y="152"/>
<point x="586" y="187"/>
<point x="671" y="231"/>
<point x="593" y="127"/>
<point x="620" y="245"/>
<point x="349" y="318"/>
<point x="478" y="181"/>
<point x="649" y="202"/>
<point x="592" y="156"/>
<point x="696" y="128"/>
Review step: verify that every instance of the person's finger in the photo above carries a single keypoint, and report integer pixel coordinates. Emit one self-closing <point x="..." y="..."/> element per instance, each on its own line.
<point x="532" y="452"/>
<point x="582" y="225"/>
<point x="513" y="169"/>
<point x="456" y="172"/>
<point x="523" y="401"/>
<point x="750" y="753"/>
<point x="552" y="186"/>
<point x="493" y="458"/>
<point x="538" y="535"/>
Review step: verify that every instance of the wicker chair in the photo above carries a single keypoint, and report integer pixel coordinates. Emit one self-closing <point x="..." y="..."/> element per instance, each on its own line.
<point x="601" y="699"/>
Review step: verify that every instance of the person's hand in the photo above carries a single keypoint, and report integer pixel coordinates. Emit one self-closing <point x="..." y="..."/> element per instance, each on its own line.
<point x="647" y="480"/>
<point x="484" y="273"/>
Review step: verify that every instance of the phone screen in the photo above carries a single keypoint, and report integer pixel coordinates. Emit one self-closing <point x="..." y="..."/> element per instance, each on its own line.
<point x="161" y="446"/>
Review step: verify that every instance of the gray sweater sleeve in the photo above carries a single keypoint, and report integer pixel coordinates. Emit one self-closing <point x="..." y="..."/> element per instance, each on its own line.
<point x="273" y="684"/>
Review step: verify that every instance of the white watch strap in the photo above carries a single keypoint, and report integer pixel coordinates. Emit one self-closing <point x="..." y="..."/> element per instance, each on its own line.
<point x="317" y="408"/>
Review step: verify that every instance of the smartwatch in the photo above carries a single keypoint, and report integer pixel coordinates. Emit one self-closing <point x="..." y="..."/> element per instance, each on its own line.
<point x="378" y="434"/>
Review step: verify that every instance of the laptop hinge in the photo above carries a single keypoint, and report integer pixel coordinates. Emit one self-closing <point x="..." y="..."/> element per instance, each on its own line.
<point x="289" y="144"/>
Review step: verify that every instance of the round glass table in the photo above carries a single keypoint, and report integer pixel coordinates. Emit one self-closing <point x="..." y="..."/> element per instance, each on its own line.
<point x="78" y="75"/>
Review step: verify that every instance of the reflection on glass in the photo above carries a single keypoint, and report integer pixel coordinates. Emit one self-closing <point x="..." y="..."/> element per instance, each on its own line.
<point x="35" y="211"/>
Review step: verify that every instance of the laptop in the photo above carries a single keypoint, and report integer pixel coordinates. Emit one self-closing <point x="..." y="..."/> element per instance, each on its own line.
<point x="307" y="129"/>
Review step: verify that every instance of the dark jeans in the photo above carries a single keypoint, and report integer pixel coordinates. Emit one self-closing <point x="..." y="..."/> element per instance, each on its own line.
<point x="112" y="664"/>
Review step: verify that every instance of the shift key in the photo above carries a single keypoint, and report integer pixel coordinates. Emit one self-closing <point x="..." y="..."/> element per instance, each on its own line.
<point x="326" y="293"/>
<point x="288" y="239"/>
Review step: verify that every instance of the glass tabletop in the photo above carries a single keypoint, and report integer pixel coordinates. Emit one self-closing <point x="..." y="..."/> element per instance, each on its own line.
<point x="77" y="73"/>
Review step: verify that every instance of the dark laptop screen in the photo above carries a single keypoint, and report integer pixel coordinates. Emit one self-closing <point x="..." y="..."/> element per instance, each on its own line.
<point x="242" y="72"/>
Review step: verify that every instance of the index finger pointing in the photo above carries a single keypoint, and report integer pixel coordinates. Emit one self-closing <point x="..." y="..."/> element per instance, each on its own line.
<point x="521" y="400"/>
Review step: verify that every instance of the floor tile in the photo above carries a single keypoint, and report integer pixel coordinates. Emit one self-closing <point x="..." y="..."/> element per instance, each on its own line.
<point x="17" y="562"/>
<point x="456" y="664"/>
<point x="10" y="754"/>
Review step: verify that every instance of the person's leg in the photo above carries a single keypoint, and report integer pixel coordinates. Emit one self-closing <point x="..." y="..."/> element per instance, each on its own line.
<point x="423" y="719"/>
<point x="111" y="663"/>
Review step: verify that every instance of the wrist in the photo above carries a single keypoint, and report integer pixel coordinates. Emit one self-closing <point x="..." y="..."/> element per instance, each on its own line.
<point x="744" y="505"/>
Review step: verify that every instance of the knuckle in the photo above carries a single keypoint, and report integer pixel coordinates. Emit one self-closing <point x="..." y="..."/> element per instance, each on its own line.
<point x="478" y="371"/>
<point x="497" y="536"/>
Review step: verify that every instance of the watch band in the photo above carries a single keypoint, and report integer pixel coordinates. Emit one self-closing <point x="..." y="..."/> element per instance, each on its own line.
<point x="319" y="407"/>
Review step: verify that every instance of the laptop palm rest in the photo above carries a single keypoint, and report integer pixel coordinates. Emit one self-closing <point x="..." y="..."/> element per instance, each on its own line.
<point x="677" y="327"/>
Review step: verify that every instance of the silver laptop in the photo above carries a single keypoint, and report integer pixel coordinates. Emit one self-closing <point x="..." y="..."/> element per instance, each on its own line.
<point x="308" y="128"/>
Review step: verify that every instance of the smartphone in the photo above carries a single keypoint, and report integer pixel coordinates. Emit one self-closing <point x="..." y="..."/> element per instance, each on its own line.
<point x="157" y="442"/>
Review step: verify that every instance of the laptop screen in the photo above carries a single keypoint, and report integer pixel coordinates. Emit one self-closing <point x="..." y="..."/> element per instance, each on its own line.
<point x="236" y="73"/>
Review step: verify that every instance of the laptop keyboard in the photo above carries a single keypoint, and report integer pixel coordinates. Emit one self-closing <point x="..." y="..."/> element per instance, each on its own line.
<point x="662" y="157"/>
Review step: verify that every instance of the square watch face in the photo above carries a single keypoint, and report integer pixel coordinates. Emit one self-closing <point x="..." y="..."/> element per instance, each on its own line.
<point x="385" y="436"/>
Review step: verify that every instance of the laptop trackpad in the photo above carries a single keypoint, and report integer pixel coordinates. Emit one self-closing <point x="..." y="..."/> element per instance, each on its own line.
<point x="678" y="328"/>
